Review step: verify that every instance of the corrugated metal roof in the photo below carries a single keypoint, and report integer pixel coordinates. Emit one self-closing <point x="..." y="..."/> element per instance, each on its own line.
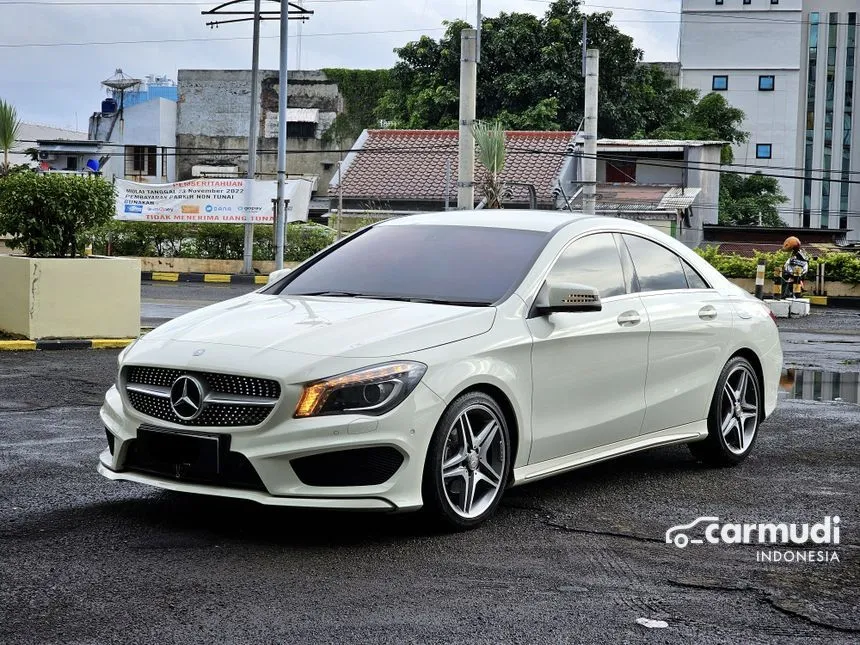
<point x="679" y="198"/>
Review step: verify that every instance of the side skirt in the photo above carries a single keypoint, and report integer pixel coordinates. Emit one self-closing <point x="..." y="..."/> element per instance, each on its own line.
<point x="681" y="434"/>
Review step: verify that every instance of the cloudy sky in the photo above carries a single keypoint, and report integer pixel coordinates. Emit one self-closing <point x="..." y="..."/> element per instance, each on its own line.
<point x="53" y="57"/>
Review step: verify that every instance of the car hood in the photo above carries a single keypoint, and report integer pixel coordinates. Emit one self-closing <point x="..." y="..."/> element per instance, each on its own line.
<point x="327" y="326"/>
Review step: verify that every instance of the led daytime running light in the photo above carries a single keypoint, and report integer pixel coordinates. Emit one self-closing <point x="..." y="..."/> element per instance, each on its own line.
<point x="315" y="395"/>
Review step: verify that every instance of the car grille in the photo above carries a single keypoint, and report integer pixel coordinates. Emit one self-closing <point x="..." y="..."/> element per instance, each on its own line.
<point x="227" y="400"/>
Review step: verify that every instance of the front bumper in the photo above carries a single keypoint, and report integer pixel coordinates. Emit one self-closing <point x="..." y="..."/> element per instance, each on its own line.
<point x="271" y="447"/>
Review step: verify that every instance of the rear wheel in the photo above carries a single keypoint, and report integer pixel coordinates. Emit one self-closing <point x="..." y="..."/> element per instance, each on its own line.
<point x="468" y="462"/>
<point x="734" y="416"/>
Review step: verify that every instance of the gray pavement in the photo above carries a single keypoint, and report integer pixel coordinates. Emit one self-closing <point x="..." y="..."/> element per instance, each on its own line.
<point x="576" y="558"/>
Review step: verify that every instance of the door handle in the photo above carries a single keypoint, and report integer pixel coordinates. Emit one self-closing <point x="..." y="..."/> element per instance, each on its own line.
<point x="629" y="318"/>
<point x="707" y="313"/>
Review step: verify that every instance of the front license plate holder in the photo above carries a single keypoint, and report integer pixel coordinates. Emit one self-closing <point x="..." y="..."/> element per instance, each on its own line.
<point x="182" y="454"/>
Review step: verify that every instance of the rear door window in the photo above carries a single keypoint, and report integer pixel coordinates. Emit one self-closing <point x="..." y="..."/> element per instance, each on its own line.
<point x="657" y="268"/>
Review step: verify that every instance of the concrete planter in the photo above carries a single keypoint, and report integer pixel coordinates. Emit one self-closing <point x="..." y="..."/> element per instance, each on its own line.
<point x="70" y="298"/>
<point x="206" y="265"/>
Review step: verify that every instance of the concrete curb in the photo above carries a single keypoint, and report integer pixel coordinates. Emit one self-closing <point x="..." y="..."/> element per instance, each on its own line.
<point x="223" y="278"/>
<point x="70" y="343"/>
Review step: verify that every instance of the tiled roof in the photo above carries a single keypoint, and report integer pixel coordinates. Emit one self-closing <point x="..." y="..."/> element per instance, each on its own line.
<point x="411" y="164"/>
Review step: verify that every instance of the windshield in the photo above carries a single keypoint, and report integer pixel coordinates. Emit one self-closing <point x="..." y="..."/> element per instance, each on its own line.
<point x="467" y="265"/>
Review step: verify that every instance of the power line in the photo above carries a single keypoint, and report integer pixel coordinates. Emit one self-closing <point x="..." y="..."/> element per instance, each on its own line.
<point x="719" y="17"/>
<point x="187" y="40"/>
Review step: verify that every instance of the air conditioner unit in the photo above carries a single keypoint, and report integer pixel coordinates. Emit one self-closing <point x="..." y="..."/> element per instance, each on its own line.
<point x="45" y="156"/>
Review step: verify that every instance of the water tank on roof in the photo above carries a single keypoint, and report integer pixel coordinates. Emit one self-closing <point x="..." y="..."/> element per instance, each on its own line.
<point x="109" y="106"/>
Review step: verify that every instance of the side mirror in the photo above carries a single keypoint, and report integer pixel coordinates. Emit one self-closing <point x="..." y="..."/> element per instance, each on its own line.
<point x="274" y="276"/>
<point x="558" y="297"/>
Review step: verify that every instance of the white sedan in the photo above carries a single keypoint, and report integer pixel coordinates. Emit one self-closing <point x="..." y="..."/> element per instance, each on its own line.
<point x="435" y="360"/>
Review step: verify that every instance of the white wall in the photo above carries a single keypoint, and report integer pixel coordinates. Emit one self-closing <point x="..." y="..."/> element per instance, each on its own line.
<point x="152" y="123"/>
<point x="744" y="42"/>
<point x="662" y="174"/>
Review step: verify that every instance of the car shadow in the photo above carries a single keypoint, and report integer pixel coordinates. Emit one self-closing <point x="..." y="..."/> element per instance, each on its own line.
<point x="177" y="520"/>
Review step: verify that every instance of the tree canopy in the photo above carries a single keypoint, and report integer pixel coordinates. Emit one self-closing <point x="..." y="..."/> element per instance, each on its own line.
<point x="743" y="199"/>
<point x="530" y="77"/>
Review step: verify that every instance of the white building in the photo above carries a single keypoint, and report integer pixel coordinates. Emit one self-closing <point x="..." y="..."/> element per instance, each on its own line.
<point x="141" y="145"/>
<point x="30" y="133"/>
<point x="790" y="66"/>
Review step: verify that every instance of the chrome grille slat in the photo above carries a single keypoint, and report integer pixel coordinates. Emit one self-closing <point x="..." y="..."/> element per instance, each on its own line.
<point x="231" y="400"/>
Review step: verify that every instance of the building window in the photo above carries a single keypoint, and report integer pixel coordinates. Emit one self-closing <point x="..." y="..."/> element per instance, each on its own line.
<point x="766" y="83"/>
<point x="71" y="163"/>
<point x="774" y="1"/>
<point x="301" y="130"/>
<point x="164" y="162"/>
<point x="830" y="90"/>
<point x="763" y="150"/>
<point x="847" y="119"/>
<point x="747" y="1"/>
<point x="719" y="2"/>
<point x="812" y="69"/>
<point x="621" y="172"/>
<point x="720" y="83"/>
<point x="141" y="161"/>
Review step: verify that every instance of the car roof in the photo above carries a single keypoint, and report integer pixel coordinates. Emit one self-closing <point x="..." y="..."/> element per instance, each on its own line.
<point x="526" y="220"/>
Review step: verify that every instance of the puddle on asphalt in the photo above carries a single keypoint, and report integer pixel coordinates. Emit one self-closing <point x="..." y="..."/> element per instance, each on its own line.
<point x="819" y="385"/>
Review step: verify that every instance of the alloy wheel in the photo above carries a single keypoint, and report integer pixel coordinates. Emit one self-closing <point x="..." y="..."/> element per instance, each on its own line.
<point x="473" y="461"/>
<point x="739" y="408"/>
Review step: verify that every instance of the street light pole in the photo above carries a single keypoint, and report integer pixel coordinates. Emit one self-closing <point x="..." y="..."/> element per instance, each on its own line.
<point x="281" y="215"/>
<point x="248" y="250"/>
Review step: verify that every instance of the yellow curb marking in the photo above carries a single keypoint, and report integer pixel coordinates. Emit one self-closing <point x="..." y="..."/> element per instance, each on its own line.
<point x="261" y="279"/>
<point x="820" y="301"/>
<point x="15" y="345"/>
<point x="216" y="277"/>
<point x="111" y="343"/>
<point x="165" y="276"/>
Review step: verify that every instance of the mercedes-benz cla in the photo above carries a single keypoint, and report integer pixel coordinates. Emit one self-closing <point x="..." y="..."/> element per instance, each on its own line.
<point x="435" y="360"/>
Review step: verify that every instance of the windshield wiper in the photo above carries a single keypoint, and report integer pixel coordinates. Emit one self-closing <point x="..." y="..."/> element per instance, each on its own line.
<point x="333" y="294"/>
<point x="434" y="301"/>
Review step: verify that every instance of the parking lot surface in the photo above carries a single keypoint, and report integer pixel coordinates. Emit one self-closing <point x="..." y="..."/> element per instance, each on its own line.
<point x="576" y="558"/>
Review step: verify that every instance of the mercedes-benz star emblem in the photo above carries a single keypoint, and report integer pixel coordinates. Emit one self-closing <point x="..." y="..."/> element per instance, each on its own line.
<point x="186" y="397"/>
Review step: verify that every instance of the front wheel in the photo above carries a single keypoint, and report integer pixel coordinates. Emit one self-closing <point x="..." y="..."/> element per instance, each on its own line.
<point x="734" y="416"/>
<point x="468" y="463"/>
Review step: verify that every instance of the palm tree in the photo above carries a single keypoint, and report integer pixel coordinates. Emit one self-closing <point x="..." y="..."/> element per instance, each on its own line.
<point x="9" y="126"/>
<point x="490" y="138"/>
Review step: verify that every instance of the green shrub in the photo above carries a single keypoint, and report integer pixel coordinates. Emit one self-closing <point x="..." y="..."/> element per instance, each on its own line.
<point x="840" y="267"/>
<point x="53" y="214"/>
<point x="216" y="241"/>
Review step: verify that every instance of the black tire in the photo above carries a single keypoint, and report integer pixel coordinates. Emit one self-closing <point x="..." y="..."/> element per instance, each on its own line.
<point x="731" y="448"/>
<point x="438" y="504"/>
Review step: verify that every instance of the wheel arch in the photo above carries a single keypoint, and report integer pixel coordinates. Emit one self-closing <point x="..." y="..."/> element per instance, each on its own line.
<point x="499" y="396"/>
<point x="755" y="361"/>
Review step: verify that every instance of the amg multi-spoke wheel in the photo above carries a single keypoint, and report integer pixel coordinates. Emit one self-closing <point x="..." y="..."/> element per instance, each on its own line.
<point x="468" y="462"/>
<point x="734" y="416"/>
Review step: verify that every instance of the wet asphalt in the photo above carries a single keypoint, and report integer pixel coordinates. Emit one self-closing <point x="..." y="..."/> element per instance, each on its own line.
<point x="572" y="559"/>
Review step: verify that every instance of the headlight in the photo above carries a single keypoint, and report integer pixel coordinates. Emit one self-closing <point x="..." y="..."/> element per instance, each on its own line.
<point x="372" y="390"/>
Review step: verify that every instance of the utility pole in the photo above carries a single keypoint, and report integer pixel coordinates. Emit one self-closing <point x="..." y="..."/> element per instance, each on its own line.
<point x="280" y="214"/>
<point x="468" y="91"/>
<point x="589" y="162"/>
<point x="480" y="18"/>
<point x="227" y="13"/>
<point x="340" y="199"/>
<point x="248" y="250"/>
